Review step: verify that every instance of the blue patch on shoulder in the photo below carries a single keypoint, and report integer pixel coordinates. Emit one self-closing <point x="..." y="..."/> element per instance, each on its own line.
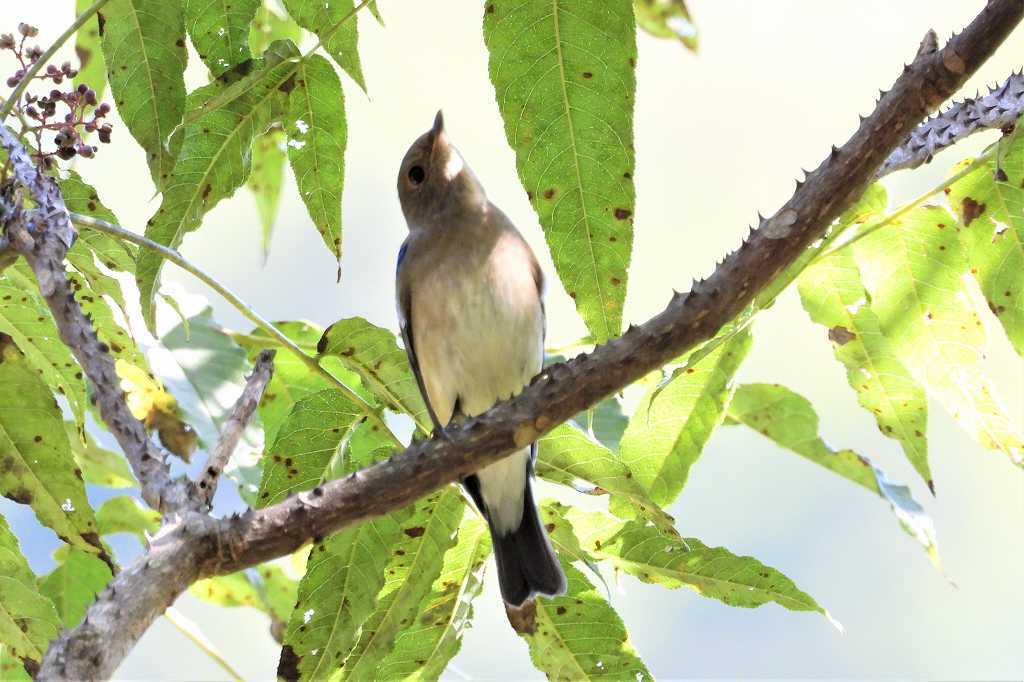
<point x="401" y="255"/>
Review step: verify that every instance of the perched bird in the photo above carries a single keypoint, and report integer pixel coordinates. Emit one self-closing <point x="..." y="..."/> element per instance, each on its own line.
<point x="469" y="305"/>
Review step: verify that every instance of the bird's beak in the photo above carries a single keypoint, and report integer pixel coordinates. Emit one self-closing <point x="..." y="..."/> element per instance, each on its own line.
<point x="440" y="144"/>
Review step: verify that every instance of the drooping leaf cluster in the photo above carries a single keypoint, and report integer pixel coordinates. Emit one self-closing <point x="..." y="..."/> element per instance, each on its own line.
<point x="907" y="300"/>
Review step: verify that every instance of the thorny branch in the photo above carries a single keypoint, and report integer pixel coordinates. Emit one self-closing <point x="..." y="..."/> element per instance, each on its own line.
<point x="241" y="415"/>
<point x="197" y="545"/>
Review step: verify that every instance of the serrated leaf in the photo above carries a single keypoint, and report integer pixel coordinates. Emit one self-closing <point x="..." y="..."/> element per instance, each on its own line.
<point x="113" y="253"/>
<point x="108" y="329"/>
<point x="13" y="563"/>
<point x="36" y="466"/>
<point x="317" y="135"/>
<point x="305" y="444"/>
<point x="914" y="270"/>
<point x="570" y="457"/>
<point x="568" y="113"/>
<point x="424" y="647"/>
<point x="579" y="636"/>
<point x="990" y="207"/>
<point x="373" y="353"/>
<point x="667" y="19"/>
<point x="268" y="159"/>
<point x="28" y="620"/>
<point x="334" y="22"/>
<point x="338" y="593"/>
<point x="416" y="562"/>
<point x="214" y="160"/>
<point x="25" y="317"/>
<point x="99" y="466"/>
<point x="91" y="69"/>
<point x="74" y="584"/>
<point x="125" y="514"/>
<point x="789" y="419"/>
<point x="144" y="50"/>
<point x="219" y="30"/>
<point x="834" y="297"/>
<point x="666" y="435"/>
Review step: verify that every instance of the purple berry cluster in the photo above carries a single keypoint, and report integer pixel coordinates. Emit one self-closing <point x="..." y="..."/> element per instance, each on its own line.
<point x="84" y="114"/>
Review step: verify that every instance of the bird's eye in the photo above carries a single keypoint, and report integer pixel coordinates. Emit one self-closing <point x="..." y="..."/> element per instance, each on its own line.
<point x="417" y="174"/>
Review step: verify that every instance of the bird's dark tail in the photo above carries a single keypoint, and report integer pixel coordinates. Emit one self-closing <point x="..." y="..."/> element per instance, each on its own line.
<point x="527" y="564"/>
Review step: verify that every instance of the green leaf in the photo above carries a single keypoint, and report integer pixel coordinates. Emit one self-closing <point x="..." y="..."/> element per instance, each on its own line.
<point x="268" y="158"/>
<point x="567" y="105"/>
<point x="834" y="297"/>
<point x="91" y="69"/>
<point x="653" y="557"/>
<point x="36" y="466"/>
<point x="305" y="444"/>
<point x="108" y="330"/>
<point x="570" y="457"/>
<point x="338" y="593"/>
<point x="74" y="584"/>
<point x="144" y="50"/>
<point x="316" y="145"/>
<point x="789" y="419"/>
<point x="667" y="19"/>
<point x="373" y="353"/>
<point x="99" y="466"/>
<point x="13" y="563"/>
<point x="991" y="213"/>
<point x="334" y="22"/>
<point x="913" y="270"/>
<point x="280" y="591"/>
<point x="125" y="514"/>
<point x="417" y="561"/>
<point x="11" y="667"/>
<point x="267" y="27"/>
<point x="25" y="317"/>
<point x="28" y="620"/>
<point x="234" y="589"/>
<point x="579" y="636"/>
<point x="113" y="253"/>
<point x="665" y="436"/>
<point x="214" y="159"/>
<point x="219" y="30"/>
<point x="424" y="647"/>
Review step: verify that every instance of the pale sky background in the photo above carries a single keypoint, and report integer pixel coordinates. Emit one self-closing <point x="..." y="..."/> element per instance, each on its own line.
<point x="719" y="136"/>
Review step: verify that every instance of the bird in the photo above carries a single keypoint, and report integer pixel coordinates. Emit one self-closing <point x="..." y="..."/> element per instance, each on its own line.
<point x="470" y="305"/>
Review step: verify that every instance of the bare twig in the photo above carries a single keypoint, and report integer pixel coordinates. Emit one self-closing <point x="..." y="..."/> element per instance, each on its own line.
<point x="239" y="418"/>
<point x="201" y="546"/>
<point x="997" y="110"/>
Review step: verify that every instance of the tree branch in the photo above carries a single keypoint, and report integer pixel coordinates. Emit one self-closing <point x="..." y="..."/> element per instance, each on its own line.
<point x="201" y="546"/>
<point x="998" y="110"/>
<point x="232" y="430"/>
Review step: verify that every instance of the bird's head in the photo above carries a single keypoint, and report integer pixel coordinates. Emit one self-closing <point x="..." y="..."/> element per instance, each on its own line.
<point x="434" y="182"/>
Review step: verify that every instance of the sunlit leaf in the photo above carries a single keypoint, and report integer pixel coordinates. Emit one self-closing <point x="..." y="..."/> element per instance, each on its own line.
<point x="564" y="78"/>
<point x="424" y="646"/>
<point x="99" y="466"/>
<point x="214" y="160"/>
<point x="579" y="636"/>
<point x="416" y="562"/>
<point x="666" y="436"/>
<point x="990" y="205"/>
<point x="13" y="566"/>
<point x="219" y="30"/>
<point x="91" y="69"/>
<point x="234" y="589"/>
<point x="74" y="583"/>
<point x="334" y="22"/>
<point x="317" y="135"/>
<point x="570" y="457"/>
<point x="36" y="466"/>
<point x="28" y="620"/>
<point x="834" y="297"/>
<point x="913" y="270"/>
<point x="144" y="50"/>
<point x="789" y="419"/>
<point x="373" y="353"/>
<point x="25" y="317"/>
<point x="125" y="514"/>
<point x="667" y="19"/>
<point x="268" y="159"/>
<point x="279" y="591"/>
<point x="267" y="27"/>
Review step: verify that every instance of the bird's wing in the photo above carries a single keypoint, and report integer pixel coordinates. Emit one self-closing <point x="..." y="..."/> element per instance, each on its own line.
<point x="404" y="302"/>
